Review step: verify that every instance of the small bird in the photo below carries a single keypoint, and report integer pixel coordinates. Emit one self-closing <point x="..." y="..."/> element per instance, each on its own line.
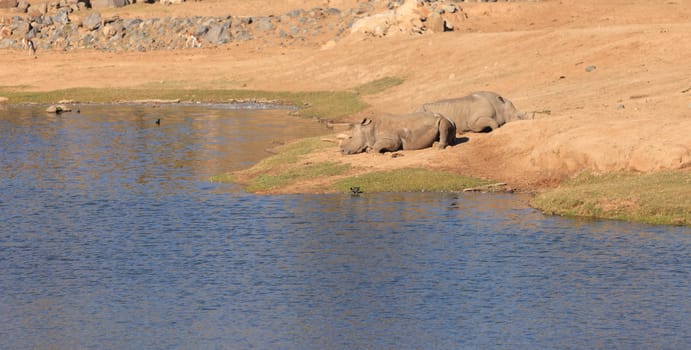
<point x="355" y="191"/>
<point x="158" y="121"/>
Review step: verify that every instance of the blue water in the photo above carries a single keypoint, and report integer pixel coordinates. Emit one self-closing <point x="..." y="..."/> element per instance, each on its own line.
<point x="112" y="237"/>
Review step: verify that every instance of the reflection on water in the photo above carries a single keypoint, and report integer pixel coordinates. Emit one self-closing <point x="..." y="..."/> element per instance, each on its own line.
<point x="111" y="237"/>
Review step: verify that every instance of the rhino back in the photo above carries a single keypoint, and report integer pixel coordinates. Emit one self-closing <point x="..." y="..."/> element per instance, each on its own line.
<point x="462" y="111"/>
<point x="415" y="130"/>
<point x="393" y="123"/>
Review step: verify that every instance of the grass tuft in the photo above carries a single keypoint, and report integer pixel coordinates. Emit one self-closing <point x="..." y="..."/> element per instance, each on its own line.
<point x="286" y="167"/>
<point x="287" y="155"/>
<point x="265" y="182"/>
<point x="408" y="180"/>
<point x="656" y="198"/>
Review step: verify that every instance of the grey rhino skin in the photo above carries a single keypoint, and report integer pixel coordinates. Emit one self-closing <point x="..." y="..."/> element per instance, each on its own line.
<point x="479" y="112"/>
<point x="395" y="132"/>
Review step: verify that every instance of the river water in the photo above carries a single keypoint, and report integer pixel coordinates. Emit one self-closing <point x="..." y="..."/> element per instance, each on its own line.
<point x="111" y="236"/>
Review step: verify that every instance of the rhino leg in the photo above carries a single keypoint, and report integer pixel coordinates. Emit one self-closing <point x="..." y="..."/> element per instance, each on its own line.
<point x="484" y="124"/>
<point x="447" y="133"/>
<point x="386" y="145"/>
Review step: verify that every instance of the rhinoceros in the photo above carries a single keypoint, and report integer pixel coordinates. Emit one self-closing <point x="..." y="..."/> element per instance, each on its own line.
<point x="391" y="133"/>
<point x="479" y="112"/>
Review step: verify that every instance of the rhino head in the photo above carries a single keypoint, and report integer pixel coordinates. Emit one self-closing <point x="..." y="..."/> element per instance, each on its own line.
<point x="511" y="113"/>
<point x="360" y="139"/>
<point x="524" y="115"/>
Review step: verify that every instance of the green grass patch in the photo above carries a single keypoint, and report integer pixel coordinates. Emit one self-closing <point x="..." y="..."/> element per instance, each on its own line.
<point x="265" y="182"/>
<point x="656" y="198"/>
<point x="323" y="104"/>
<point x="286" y="167"/>
<point x="288" y="155"/>
<point x="408" y="180"/>
<point x="223" y="178"/>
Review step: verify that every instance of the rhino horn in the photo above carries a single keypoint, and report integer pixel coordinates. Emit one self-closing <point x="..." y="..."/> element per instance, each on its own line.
<point x="524" y="115"/>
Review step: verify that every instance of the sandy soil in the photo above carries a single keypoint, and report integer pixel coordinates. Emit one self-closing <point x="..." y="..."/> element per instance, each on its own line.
<point x="631" y="112"/>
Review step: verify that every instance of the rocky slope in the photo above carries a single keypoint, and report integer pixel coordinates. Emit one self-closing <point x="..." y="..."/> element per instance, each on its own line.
<point x="70" y="25"/>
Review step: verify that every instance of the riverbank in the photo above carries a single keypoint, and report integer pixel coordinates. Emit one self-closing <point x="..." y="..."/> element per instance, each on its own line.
<point x="604" y="79"/>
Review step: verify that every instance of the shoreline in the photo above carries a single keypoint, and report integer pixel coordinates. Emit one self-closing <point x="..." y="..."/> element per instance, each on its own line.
<point x="241" y="104"/>
<point x="565" y="199"/>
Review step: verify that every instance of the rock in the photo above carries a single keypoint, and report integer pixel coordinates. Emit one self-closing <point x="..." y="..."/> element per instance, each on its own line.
<point x="450" y="8"/>
<point x="6" y="43"/>
<point x="590" y="68"/>
<point x="264" y="24"/>
<point x="156" y="101"/>
<point x="62" y="16"/>
<point x="7" y="4"/>
<point x="103" y="4"/>
<point x="20" y="27"/>
<point x="108" y="31"/>
<point x="219" y="33"/>
<point x="87" y="40"/>
<point x="59" y="108"/>
<point x="373" y="24"/>
<point x="23" y="6"/>
<point x="242" y="34"/>
<point x="44" y="20"/>
<point x="435" y="23"/>
<point x="496" y="187"/>
<point x="92" y="21"/>
<point x="294" y="13"/>
<point x="201" y="30"/>
<point x="131" y="24"/>
<point x="364" y="8"/>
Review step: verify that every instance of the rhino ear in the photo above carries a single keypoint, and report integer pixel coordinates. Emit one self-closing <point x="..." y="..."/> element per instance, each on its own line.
<point x="501" y="99"/>
<point x="366" y="121"/>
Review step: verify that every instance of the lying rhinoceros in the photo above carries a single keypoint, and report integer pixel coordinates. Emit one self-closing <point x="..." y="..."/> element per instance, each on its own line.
<point x="395" y="132"/>
<point x="478" y="112"/>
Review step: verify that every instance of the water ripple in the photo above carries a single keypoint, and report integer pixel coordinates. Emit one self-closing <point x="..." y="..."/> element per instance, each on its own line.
<point x="111" y="237"/>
